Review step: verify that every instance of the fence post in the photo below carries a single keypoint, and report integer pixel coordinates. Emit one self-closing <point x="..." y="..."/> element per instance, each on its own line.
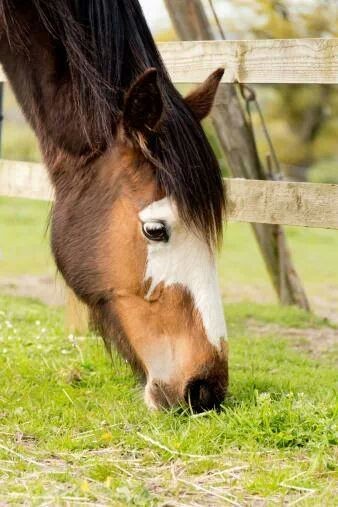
<point x="239" y="147"/>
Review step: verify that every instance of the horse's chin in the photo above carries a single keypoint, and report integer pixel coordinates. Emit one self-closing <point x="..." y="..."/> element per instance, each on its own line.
<point x="160" y="396"/>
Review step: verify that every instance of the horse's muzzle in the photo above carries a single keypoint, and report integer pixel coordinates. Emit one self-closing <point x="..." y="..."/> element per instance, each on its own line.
<point x="200" y="394"/>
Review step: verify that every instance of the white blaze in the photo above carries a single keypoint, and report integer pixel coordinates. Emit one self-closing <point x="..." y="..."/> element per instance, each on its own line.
<point x="185" y="260"/>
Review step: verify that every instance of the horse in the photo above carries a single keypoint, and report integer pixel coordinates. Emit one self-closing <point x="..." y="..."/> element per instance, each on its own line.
<point x="139" y="200"/>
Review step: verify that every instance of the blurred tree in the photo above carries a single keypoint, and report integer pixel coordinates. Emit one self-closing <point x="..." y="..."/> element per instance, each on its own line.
<point x="302" y="119"/>
<point x="167" y="35"/>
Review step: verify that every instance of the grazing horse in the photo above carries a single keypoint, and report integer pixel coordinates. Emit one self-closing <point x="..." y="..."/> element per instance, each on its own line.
<point x="139" y="200"/>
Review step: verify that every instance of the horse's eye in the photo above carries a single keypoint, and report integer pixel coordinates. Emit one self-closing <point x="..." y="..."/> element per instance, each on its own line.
<point x="155" y="231"/>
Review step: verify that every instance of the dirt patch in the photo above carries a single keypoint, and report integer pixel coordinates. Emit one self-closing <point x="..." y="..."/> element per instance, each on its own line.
<point x="47" y="289"/>
<point x="314" y="341"/>
<point x="50" y="290"/>
<point x="327" y="305"/>
<point x="324" y="303"/>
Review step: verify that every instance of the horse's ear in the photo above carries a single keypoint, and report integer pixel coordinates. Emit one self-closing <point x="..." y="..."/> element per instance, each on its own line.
<point x="202" y="98"/>
<point x="143" y="104"/>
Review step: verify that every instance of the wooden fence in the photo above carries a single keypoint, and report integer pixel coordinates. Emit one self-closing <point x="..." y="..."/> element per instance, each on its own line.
<point x="265" y="202"/>
<point x="256" y="61"/>
<point x="251" y="61"/>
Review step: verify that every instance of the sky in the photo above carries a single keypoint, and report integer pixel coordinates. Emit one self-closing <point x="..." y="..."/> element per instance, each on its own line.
<point x="155" y="13"/>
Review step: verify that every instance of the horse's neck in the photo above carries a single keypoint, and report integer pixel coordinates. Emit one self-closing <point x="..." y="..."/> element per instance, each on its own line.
<point x="41" y="83"/>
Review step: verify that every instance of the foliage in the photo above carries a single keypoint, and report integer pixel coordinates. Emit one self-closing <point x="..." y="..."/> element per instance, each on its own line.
<point x="167" y="35"/>
<point x="325" y="171"/>
<point x="302" y="119"/>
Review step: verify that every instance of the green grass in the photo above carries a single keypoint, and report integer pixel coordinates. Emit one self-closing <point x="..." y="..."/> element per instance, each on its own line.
<point x="24" y="247"/>
<point x="18" y="140"/>
<point x="73" y="424"/>
<point x="314" y="252"/>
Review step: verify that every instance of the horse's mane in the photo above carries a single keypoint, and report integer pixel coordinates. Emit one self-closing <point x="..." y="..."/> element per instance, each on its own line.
<point x="107" y="45"/>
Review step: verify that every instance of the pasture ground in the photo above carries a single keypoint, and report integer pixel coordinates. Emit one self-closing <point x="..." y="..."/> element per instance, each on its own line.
<point x="73" y="427"/>
<point x="25" y="254"/>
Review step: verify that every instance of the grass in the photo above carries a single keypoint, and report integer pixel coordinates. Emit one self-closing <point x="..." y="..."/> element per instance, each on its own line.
<point x="24" y="247"/>
<point x="313" y="251"/>
<point x="18" y="140"/>
<point x="73" y="427"/>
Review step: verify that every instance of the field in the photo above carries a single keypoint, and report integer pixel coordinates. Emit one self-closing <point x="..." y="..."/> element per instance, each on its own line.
<point x="24" y="250"/>
<point x="73" y="427"/>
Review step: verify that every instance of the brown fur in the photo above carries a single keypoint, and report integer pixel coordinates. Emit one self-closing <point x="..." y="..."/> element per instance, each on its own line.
<point x="101" y="185"/>
<point x="201" y="100"/>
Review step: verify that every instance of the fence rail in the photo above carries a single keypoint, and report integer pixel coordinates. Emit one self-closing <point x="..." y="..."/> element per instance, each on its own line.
<point x="252" y="61"/>
<point x="266" y="202"/>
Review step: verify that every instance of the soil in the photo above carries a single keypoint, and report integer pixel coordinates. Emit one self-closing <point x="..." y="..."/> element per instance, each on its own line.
<point x="47" y="289"/>
<point x="316" y="341"/>
<point x="325" y="304"/>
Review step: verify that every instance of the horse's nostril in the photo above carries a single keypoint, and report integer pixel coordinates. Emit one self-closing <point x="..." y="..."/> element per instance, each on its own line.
<point x="202" y="394"/>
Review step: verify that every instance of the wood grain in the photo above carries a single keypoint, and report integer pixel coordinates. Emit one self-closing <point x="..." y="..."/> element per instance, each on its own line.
<point x="256" y="201"/>
<point x="252" y="61"/>
<point x="24" y="179"/>
<point x="283" y="202"/>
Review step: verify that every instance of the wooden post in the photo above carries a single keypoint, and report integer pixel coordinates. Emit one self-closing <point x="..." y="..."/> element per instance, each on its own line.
<point x="238" y="144"/>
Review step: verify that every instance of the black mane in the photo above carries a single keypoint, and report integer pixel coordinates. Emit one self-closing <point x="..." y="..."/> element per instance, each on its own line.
<point x="107" y="45"/>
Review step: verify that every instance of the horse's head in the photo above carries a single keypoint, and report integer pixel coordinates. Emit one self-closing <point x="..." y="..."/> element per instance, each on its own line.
<point x="147" y="274"/>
